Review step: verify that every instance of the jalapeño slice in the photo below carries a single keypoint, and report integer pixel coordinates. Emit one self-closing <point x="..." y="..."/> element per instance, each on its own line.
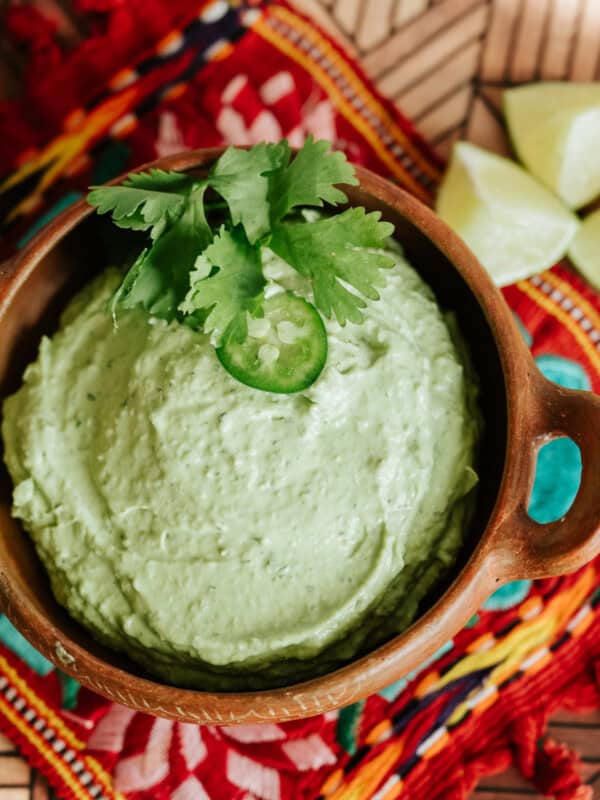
<point x="283" y="352"/>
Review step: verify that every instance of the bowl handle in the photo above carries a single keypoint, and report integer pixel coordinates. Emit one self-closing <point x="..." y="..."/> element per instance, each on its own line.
<point x="555" y="548"/>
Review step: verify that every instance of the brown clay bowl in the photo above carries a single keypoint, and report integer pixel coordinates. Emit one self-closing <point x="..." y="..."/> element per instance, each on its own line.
<point x="521" y="408"/>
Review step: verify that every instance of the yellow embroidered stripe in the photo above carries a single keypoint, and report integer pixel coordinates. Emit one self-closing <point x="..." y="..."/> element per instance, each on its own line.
<point x="578" y="299"/>
<point x="514" y="652"/>
<point x="353" y="79"/>
<point x="52" y="719"/>
<point x="562" y="316"/>
<point x="528" y="635"/>
<point x="281" y="43"/>
<point x="362" y="785"/>
<point x="41" y="746"/>
<point x="38" y="705"/>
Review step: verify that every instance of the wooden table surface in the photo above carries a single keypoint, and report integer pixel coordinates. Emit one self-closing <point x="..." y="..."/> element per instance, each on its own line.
<point x="445" y="63"/>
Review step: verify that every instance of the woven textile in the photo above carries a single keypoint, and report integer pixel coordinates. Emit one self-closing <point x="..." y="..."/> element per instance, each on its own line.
<point x="157" y="77"/>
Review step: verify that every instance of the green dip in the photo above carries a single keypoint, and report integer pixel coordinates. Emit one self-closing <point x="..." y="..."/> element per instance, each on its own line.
<point x="226" y="537"/>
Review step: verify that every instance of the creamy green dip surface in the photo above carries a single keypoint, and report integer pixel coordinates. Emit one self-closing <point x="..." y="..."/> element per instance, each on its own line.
<point x="221" y="535"/>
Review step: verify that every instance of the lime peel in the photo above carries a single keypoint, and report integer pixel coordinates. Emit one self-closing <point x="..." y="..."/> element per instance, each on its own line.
<point x="513" y="224"/>
<point x="585" y="249"/>
<point x="555" y="130"/>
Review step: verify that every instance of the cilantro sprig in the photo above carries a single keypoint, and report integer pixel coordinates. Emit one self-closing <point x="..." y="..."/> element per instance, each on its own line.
<point x="202" y="261"/>
<point x="234" y="287"/>
<point x="332" y="252"/>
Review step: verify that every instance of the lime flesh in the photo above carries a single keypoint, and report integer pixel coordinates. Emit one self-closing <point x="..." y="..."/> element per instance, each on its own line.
<point x="585" y="249"/>
<point x="513" y="224"/>
<point x="555" y="129"/>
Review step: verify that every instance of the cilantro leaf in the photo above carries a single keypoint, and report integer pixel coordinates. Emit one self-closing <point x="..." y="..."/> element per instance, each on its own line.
<point x="239" y="177"/>
<point x="145" y="200"/>
<point x="160" y="277"/>
<point x="327" y="253"/>
<point x="160" y="180"/>
<point x="309" y="179"/>
<point x="228" y="280"/>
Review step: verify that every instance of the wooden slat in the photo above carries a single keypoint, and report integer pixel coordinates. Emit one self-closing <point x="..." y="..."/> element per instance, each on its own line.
<point x="582" y="734"/>
<point x="528" y="40"/>
<point x="445" y="144"/>
<point x="585" y="744"/>
<point x="426" y="59"/>
<point x="375" y="24"/>
<point x="498" y="42"/>
<point x="558" y="49"/>
<point x="510" y="785"/>
<point x="413" y="36"/>
<point x="492" y="794"/>
<point x="14" y="770"/>
<point x="493" y="96"/>
<point x="346" y="13"/>
<point x="39" y="790"/>
<point x="446" y="116"/>
<point x="6" y="746"/>
<point x="407" y="9"/>
<point x="457" y="71"/>
<point x="592" y="718"/>
<point x="587" y="45"/>
<point x="484" y="129"/>
<point x="511" y="780"/>
<point x="16" y="793"/>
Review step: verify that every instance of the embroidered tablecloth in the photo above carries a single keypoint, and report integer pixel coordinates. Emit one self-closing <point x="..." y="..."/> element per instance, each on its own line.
<point x="155" y="77"/>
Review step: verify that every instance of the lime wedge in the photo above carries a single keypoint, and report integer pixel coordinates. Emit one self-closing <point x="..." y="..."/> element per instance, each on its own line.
<point x="555" y="128"/>
<point x="513" y="224"/>
<point x="585" y="249"/>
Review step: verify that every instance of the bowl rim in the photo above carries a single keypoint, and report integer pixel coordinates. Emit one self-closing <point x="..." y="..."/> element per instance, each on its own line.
<point x="489" y="564"/>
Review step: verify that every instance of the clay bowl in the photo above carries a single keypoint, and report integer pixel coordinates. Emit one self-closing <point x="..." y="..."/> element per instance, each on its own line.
<point x="522" y="411"/>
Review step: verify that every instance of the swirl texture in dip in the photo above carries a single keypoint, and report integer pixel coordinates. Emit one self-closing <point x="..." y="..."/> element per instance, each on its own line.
<point x="226" y="537"/>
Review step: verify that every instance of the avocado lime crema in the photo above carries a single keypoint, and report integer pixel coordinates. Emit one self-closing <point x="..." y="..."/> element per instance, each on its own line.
<point x="226" y="537"/>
